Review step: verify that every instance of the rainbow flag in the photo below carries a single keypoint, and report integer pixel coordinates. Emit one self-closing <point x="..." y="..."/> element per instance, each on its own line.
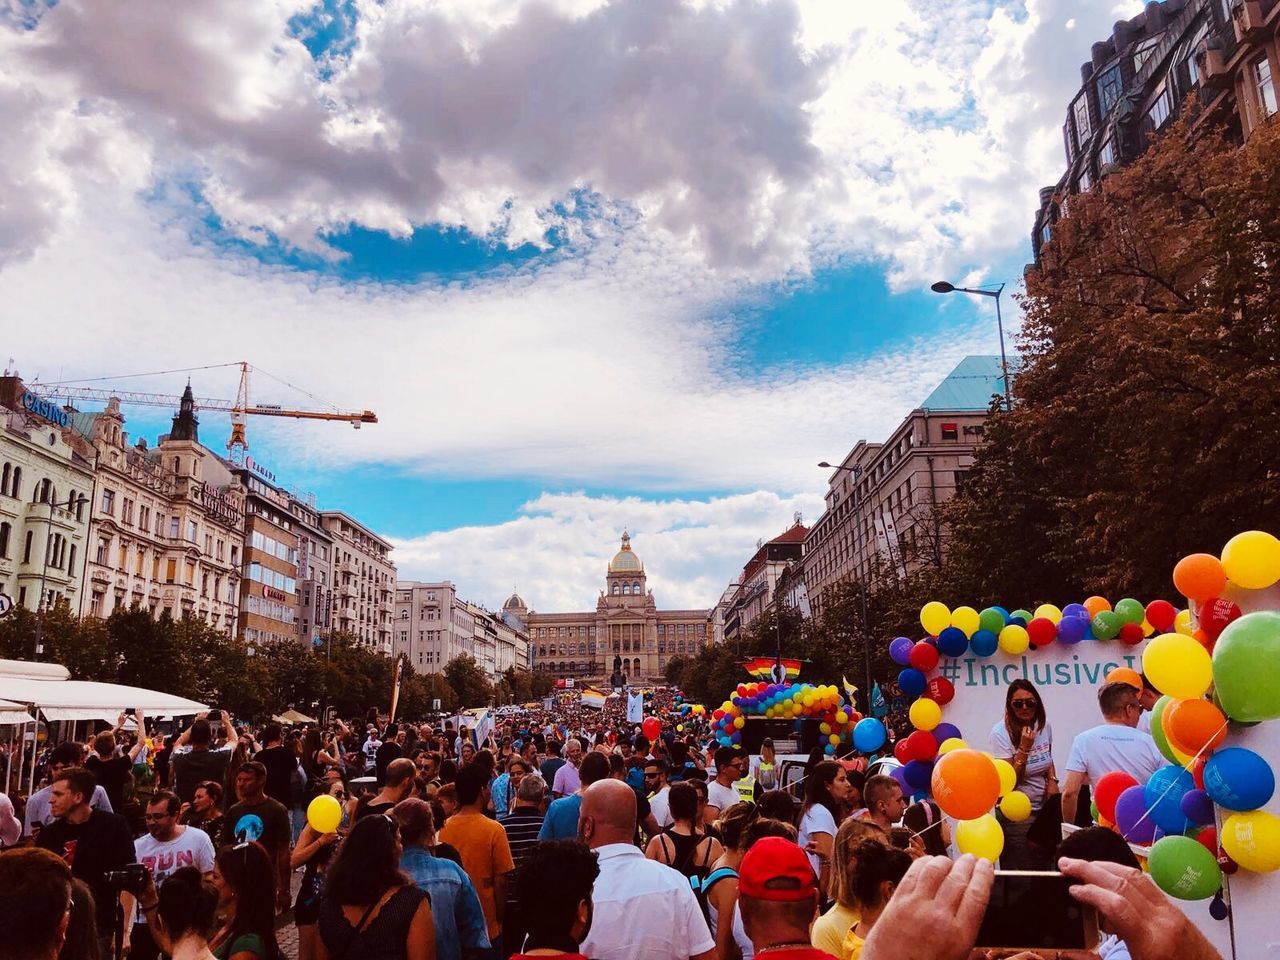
<point x="762" y="668"/>
<point x="591" y="697"/>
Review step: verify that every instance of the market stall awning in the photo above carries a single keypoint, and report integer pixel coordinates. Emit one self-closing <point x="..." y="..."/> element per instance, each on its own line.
<point x="14" y="713"/>
<point x="90" y="700"/>
<point x="292" y="716"/>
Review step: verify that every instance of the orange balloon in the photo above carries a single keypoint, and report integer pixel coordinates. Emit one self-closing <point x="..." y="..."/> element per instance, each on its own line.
<point x="1199" y="576"/>
<point x="1096" y="605"/>
<point x="966" y="784"/>
<point x="1193" y="725"/>
<point x="1125" y="675"/>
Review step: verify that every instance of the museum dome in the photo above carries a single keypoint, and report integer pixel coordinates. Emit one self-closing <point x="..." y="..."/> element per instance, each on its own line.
<point x="514" y="603"/>
<point x="625" y="560"/>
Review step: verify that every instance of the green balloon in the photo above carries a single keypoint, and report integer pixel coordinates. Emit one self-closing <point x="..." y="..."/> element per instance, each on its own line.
<point x="1157" y="729"/>
<point x="1106" y="624"/>
<point x="1130" y="610"/>
<point x="1184" y="868"/>
<point x="1093" y="811"/>
<point x="991" y="619"/>
<point x="1023" y="615"/>
<point x="1246" y="667"/>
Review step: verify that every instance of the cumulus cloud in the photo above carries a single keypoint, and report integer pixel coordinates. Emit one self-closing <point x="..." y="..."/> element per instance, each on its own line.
<point x="556" y="552"/>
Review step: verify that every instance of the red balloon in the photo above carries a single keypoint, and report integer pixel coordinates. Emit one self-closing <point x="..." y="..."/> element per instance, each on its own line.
<point x="1216" y="614"/>
<point x="1208" y="838"/>
<point x="940" y="690"/>
<point x="1228" y="865"/>
<point x="652" y="728"/>
<point x="902" y="751"/>
<point x="1110" y="786"/>
<point x="924" y="656"/>
<point x="1161" y="615"/>
<point x="1197" y="771"/>
<point x="1042" y="631"/>
<point x="922" y="745"/>
<point x="1131" y="633"/>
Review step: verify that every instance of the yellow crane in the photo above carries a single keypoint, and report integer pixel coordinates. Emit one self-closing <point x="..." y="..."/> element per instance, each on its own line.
<point x="239" y="409"/>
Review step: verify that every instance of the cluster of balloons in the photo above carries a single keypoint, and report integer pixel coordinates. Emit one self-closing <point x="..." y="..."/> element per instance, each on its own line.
<point x="788" y="701"/>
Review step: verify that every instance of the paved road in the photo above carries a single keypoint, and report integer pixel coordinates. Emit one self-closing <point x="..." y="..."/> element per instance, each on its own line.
<point x="286" y="932"/>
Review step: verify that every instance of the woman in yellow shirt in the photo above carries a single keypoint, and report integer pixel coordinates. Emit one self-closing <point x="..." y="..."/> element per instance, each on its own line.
<point x="880" y="870"/>
<point x="829" y="930"/>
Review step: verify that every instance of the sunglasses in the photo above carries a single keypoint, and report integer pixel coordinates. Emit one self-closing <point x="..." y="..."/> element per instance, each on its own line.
<point x="1018" y="704"/>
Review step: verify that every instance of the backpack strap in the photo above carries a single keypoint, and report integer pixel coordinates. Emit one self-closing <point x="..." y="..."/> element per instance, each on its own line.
<point x="715" y="876"/>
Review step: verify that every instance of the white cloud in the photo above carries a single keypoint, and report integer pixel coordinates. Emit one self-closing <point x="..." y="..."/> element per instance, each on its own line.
<point x="556" y="553"/>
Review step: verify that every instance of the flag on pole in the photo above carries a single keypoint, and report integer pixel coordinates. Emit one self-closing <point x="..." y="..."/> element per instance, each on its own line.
<point x="878" y="707"/>
<point x="849" y="690"/>
<point x="591" y="697"/>
<point x="762" y="668"/>
<point x="397" y="674"/>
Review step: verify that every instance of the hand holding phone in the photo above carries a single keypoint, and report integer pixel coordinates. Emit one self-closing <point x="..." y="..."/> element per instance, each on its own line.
<point x="1033" y="911"/>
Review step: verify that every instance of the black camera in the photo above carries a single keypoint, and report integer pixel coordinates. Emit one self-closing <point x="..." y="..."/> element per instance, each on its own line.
<point x="132" y="878"/>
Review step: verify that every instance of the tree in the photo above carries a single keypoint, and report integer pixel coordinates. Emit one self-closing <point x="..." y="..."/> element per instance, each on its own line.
<point x="468" y="681"/>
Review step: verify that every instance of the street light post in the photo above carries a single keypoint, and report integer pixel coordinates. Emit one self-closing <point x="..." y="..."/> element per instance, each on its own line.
<point x="942" y="286"/>
<point x="72" y="502"/>
<point x="862" y="582"/>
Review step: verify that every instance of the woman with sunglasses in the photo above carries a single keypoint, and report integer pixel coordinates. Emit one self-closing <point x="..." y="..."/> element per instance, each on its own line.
<point x="1025" y="739"/>
<point x="371" y="909"/>
<point x="245" y="879"/>
<point x="315" y="850"/>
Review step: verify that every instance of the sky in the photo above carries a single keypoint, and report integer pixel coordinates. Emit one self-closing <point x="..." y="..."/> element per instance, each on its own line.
<point x="596" y="264"/>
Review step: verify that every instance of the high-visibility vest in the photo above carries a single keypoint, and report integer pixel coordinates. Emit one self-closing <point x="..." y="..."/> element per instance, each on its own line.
<point x="746" y="788"/>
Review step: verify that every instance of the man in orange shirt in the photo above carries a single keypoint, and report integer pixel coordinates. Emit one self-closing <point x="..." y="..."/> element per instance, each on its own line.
<point x="482" y="843"/>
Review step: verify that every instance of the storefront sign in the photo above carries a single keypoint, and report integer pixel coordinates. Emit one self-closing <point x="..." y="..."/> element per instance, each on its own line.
<point x="259" y="469"/>
<point x="274" y="594"/>
<point x="45" y="409"/>
<point x="220" y="506"/>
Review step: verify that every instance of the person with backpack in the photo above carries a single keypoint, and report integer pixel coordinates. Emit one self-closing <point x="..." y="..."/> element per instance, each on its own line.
<point x="681" y="846"/>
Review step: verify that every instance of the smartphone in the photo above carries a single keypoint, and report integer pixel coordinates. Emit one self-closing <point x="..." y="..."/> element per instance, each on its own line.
<point x="214" y="716"/>
<point x="1033" y="910"/>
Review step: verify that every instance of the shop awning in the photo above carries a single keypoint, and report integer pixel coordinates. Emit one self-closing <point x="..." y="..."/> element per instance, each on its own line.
<point x="90" y="700"/>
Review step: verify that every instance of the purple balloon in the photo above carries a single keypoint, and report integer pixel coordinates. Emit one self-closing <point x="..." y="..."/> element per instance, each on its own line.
<point x="918" y="773"/>
<point x="900" y="651"/>
<point x="1074" y="611"/>
<point x="1071" y="629"/>
<point x="1197" y="807"/>
<point x="945" y="731"/>
<point x="900" y="774"/>
<point x="1131" y="808"/>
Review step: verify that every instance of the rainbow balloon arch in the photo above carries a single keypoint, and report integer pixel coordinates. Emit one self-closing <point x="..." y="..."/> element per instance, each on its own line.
<point x="839" y="721"/>
<point x="1217" y="669"/>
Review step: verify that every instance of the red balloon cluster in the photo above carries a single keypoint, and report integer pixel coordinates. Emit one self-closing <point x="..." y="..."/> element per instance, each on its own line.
<point x="920" y="745"/>
<point x="924" y="656"/>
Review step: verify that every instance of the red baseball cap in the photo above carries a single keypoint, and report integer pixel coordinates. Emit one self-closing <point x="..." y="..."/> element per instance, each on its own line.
<point x="776" y="869"/>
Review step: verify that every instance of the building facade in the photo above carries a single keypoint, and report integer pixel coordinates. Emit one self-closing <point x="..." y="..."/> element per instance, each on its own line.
<point x="46" y="488"/>
<point x="757" y="587"/>
<point x="882" y="499"/>
<point x="626" y="636"/>
<point x="432" y="626"/>
<point x="315" y="570"/>
<point x="167" y="527"/>
<point x="364" y="580"/>
<point x="269" y="608"/>
<point x="1221" y="53"/>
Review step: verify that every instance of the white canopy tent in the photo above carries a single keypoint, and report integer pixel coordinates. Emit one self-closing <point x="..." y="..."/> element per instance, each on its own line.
<point x="90" y="700"/>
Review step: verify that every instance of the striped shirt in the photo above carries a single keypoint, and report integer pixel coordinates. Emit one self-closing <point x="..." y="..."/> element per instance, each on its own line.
<point x="522" y="825"/>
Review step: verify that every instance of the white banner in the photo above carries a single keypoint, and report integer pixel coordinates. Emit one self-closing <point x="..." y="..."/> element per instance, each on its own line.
<point x="635" y="707"/>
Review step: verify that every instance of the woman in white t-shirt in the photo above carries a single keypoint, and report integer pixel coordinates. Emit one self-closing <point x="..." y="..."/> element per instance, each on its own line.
<point x="1025" y="739"/>
<point x="826" y="790"/>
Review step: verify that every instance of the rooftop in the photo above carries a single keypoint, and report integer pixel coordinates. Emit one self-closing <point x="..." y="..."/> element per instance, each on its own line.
<point x="969" y="386"/>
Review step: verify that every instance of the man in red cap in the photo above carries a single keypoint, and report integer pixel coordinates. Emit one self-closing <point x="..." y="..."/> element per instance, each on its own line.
<point x="778" y="897"/>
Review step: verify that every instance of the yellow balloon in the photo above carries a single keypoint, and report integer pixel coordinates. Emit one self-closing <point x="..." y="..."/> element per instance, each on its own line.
<point x="935" y="617"/>
<point x="679" y="728"/>
<point x="1016" y="806"/>
<point x="1252" y="559"/>
<point x="1182" y="622"/>
<point x="739" y="723"/>
<point x="1253" y="840"/>
<point x="324" y="813"/>
<point x="825" y="728"/>
<point x="925" y="714"/>
<point x="1178" y="665"/>
<point x="1049" y="612"/>
<point x="1014" y="640"/>
<point x="952" y="743"/>
<point x="966" y="619"/>
<point x="834" y="739"/>
<point x="841" y="717"/>
<point x="1008" y="776"/>
<point x="1147" y="628"/>
<point x="982" y="837"/>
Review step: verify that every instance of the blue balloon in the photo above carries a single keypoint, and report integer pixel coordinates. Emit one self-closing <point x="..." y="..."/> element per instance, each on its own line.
<point x="900" y="651"/>
<point x="1076" y="611"/>
<point x="912" y="682"/>
<point x="945" y="731"/>
<point x="868" y="735"/>
<point x="1131" y="819"/>
<point x="1163" y="796"/>
<point x="952" y="642"/>
<point x="983" y="643"/>
<point x="918" y="773"/>
<point x="1238" y="779"/>
<point x="1072" y="629"/>
<point x="1197" y="806"/>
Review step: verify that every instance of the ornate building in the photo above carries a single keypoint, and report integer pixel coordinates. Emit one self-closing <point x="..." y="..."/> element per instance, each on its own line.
<point x="626" y="634"/>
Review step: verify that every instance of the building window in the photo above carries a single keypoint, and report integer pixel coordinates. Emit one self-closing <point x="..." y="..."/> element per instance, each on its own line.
<point x="1107" y="153"/>
<point x="1084" y="181"/>
<point x="1146" y="48"/>
<point x="173" y="528"/>
<point x="1162" y="107"/>
<point x="1265" y="89"/>
<point x="1110" y="86"/>
<point x="5" y="530"/>
<point x="71" y="560"/>
<point x="108" y="502"/>
<point x="1080" y="112"/>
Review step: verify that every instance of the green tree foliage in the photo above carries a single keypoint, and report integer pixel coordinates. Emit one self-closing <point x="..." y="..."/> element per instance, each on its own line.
<point x="468" y="681"/>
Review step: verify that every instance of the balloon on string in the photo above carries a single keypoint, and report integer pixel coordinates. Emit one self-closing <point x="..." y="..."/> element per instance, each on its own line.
<point x="918" y="774"/>
<point x="935" y="617"/>
<point x="1197" y="806"/>
<point x="953" y="642"/>
<point x="1177" y="665"/>
<point x="941" y="691"/>
<point x="1008" y="776"/>
<point x="868" y="735"/>
<point x="1252" y="840"/>
<point x="1238" y="779"/>
<point x="1163" y="794"/>
<point x="902" y="751"/>
<point x="1199" y="576"/>
<point x="982" y="837"/>
<point x="1108" y="789"/>
<point x="1194" y="725"/>
<point x="1184" y="869"/>
<point x="919" y="745"/>
<point x="900" y="774"/>
<point x="1072" y="629"/>
<point x="924" y="656"/>
<point x="324" y="813"/>
<point x="1126" y="675"/>
<point x="1252" y="559"/>
<point x="1016" y="806"/>
<point x="912" y="682"/>
<point x="984" y="643"/>
<point x="1207" y="837"/>
<point x="1131" y="819"/>
<point x="1132" y="634"/>
<point x="1048" y="611"/>
<point x="1041" y="631"/>
<point x="900" y="651"/>
<point x="952" y="743"/>
<point x="1214" y="615"/>
<point x="965" y="784"/>
<point x="1246" y="667"/>
<point x="1129" y="610"/>
<point x="1161" y="614"/>
<point x="1167" y="750"/>
<point x="946" y="731"/>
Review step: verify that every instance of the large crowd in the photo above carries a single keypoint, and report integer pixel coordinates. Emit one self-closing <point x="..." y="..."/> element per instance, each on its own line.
<point x="562" y="831"/>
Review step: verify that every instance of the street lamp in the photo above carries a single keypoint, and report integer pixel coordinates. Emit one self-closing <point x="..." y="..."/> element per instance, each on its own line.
<point x="72" y="503"/>
<point x="942" y="286"/>
<point x="862" y="585"/>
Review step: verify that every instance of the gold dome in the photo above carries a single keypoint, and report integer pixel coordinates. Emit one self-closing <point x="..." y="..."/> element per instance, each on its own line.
<point x="625" y="560"/>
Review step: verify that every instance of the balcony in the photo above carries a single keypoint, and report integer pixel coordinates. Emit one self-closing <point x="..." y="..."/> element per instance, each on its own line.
<point x="346" y="590"/>
<point x="345" y="566"/>
<point x="1248" y="19"/>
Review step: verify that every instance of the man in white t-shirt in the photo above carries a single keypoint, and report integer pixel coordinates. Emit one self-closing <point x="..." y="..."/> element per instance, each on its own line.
<point x="1116" y="744"/>
<point x="165" y="848"/>
<point x="655" y="780"/>
<point x="721" y="795"/>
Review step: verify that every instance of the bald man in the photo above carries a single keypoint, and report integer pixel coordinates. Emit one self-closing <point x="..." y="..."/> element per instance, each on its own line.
<point x="642" y="909"/>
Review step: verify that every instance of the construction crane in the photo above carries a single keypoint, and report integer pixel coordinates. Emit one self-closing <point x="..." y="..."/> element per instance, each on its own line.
<point x="240" y="408"/>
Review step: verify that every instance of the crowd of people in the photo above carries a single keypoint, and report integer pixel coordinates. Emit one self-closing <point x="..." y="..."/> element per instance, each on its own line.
<point x="563" y="831"/>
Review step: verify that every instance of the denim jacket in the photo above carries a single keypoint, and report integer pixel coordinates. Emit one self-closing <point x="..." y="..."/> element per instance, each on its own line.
<point x="455" y="907"/>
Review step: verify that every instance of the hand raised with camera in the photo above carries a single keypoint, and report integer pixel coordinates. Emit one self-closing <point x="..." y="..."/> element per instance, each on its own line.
<point x="935" y="912"/>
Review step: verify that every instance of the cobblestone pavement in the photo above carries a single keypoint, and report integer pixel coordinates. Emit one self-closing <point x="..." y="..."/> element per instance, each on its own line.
<point x="286" y="932"/>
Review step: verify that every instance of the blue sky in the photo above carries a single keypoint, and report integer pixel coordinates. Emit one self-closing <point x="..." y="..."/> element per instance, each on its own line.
<point x="595" y="263"/>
